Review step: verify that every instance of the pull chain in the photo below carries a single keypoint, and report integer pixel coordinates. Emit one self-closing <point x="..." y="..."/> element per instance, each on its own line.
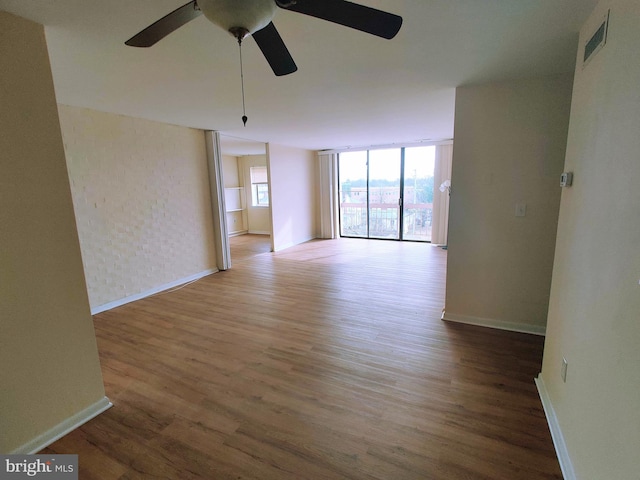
<point x="244" y="113"/>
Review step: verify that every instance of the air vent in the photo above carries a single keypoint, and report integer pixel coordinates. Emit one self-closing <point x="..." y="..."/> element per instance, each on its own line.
<point x="597" y="40"/>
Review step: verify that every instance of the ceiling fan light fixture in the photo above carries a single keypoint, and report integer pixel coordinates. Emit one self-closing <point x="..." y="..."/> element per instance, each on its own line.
<point x="286" y="3"/>
<point x="254" y="17"/>
<point x="239" y="15"/>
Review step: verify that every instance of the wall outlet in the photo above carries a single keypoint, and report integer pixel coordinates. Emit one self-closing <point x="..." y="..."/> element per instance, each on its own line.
<point x="563" y="370"/>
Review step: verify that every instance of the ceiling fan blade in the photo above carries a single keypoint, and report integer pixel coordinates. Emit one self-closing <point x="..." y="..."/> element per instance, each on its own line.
<point x="274" y="50"/>
<point x="360" y="17"/>
<point x="163" y="27"/>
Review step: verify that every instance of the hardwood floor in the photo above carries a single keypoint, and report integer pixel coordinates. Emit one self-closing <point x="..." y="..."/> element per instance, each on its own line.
<point x="325" y="361"/>
<point x="244" y="247"/>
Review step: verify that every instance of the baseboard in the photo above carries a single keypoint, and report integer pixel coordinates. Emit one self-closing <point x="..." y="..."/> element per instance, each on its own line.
<point x="259" y="232"/>
<point x="492" y="323"/>
<point x="556" y="434"/>
<point x="238" y="233"/>
<point x="279" y="248"/>
<point x="64" y="427"/>
<point x="153" y="291"/>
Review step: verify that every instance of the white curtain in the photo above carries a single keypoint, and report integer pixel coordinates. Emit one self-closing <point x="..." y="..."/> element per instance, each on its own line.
<point x="442" y="172"/>
<point x="327" y="164"/>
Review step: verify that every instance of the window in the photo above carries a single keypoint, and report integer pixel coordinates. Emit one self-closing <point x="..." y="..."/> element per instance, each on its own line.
<point x="387" y="193"/>
<point x="259" y="187"/>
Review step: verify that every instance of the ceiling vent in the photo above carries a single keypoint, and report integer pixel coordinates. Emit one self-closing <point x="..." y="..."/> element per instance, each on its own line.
<point x="596" y="41"/>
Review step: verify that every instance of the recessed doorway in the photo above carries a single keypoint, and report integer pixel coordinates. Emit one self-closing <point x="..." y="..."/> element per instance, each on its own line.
<point x="246" y="191"/>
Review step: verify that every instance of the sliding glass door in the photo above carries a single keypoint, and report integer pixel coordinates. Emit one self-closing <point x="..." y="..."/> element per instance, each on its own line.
<point x="384" y="193"/>
<point x="353" y="193"/>
<point x="387" y="193"/>
<point x="417" y="205"/>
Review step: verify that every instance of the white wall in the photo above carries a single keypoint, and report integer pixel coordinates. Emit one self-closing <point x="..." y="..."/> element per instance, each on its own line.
<point x="142" y="203"/>
<point x="235" y="198"/>
<point x="230" y="171"/>
<point x="50" y="376"/>
<point x="509" y="148"/>
<point x="293" y="176"/>
<point x="594" y="312"/>
<point x="258" y="218"/>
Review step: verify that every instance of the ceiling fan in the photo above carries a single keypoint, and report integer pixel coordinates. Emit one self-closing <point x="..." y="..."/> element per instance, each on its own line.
<point x="254" y="17"/>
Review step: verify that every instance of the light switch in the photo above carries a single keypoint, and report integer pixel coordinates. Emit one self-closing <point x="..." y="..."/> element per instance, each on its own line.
<point x="521" y="209"/>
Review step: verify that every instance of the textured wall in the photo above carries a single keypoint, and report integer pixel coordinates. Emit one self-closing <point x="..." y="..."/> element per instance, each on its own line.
<point x="142" y="202"/>
<point x="50" y="370"/>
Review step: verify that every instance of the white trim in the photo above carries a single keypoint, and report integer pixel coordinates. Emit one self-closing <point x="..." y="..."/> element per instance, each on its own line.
<point x="425" y="143"/>
<point x="556" y="433"/>
<point x="64" y="427"/>
<point x="293" y="244"/>
<point x="493" y="323"/>
<point x="153" y="291"/>
<point x="259" y="232"/>
<point x="285" y="246"/>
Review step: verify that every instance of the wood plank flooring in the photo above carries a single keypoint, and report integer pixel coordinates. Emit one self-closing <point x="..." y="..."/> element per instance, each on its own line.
<point x="246" y="246"/>
<point x="325" y="361"/>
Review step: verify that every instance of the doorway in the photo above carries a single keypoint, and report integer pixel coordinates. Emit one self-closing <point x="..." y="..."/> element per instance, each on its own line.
<point x="245" y="178"/>
<point x="247" y="246"/>
<point x="387" y="193"/>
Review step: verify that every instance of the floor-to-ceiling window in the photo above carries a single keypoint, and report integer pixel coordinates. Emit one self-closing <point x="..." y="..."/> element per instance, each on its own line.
<point x="387" y="193"/>
<point x="417" y="204"/>
<point x="353" y="191"/>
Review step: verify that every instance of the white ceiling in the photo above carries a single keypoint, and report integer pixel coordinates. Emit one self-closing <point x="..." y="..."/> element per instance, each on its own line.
<point x="351" y="89"/>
